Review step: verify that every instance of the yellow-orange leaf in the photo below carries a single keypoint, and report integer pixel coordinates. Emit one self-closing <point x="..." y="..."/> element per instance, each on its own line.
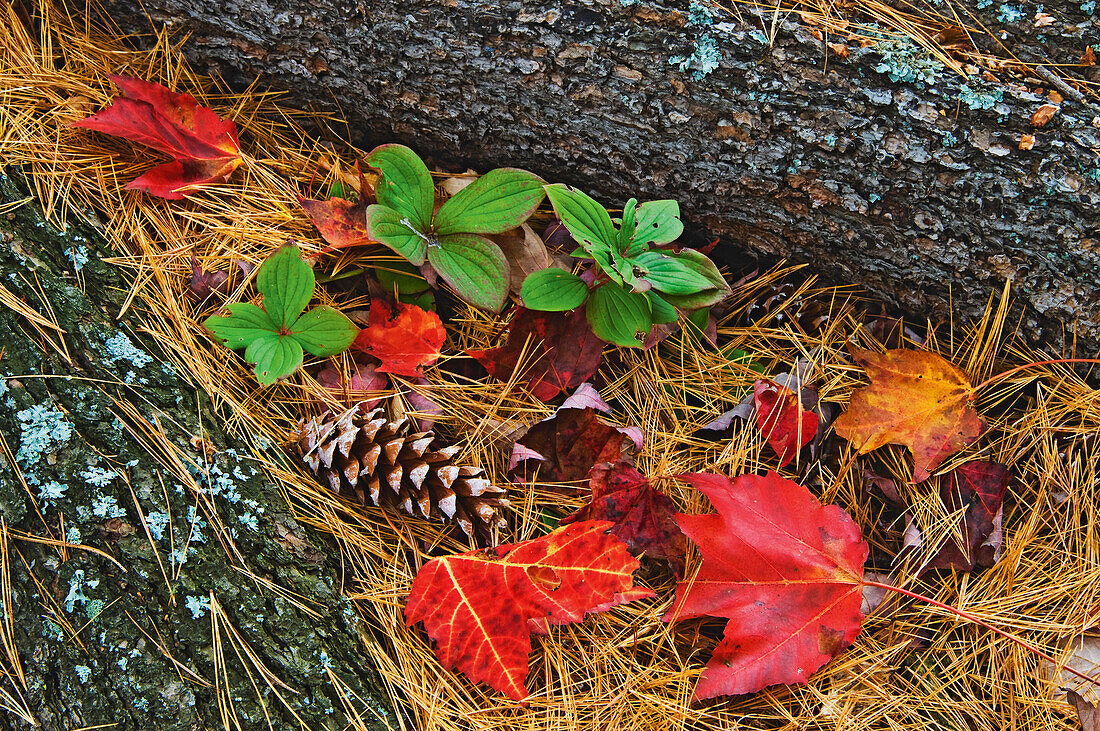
<point x="916" y="398"/>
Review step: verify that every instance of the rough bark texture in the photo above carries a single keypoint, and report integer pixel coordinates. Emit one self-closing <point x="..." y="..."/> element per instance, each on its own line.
<point x="915" y="189"/>
<point x="87" y="629"/>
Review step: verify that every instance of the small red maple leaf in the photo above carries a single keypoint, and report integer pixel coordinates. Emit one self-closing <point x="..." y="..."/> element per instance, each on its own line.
<point x="642" y="516"/>
<point x="205" y="148"/>
<point x="979" y="487"/>
<point x="405" y="342"/>
<point x="784" y="569"/>
<point x="480" y="607"/>
<point x="558" y="350"/>
<point x="782" y="420"/>
<point x="342" y="223"/>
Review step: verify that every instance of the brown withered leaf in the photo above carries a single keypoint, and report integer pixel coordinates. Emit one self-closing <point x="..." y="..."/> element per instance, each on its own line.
<point x="1044" y="114"/>
<point x="1087" y="713"/>
<point x="525" y="252"/>
<point x="979" y="487"/>
<point x="642" y="515"/>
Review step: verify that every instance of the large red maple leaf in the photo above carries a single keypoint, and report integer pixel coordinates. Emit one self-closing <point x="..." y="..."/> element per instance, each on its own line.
<point x="205" y="148"/>
<point x="784" y="569"/>
<point x="480" y="607"/>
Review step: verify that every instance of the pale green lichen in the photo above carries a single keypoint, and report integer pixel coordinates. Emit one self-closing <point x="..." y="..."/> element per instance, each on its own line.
<point x="199" y="606"/>
<point x="43" y="429"/>
<point x="83" y="672"/>
<point x="51" y="493"/>
<point x="979" y="99"/>
<point x="906" y="62"/>
<point x="98" y="476"/>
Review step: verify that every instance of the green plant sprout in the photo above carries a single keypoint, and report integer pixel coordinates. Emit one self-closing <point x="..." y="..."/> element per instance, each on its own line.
<point x="275" y="335"/>
<point x="637" y="285"/>
<point x="452" y="239"/>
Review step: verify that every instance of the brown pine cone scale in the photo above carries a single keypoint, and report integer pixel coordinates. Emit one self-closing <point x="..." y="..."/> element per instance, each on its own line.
<point x="362" y="455"/>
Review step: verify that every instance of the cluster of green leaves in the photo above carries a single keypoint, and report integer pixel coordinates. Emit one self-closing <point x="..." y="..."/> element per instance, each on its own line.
<point x="637" y="285"/>
<point x="275" y="334"/>
<point x="452" y="239"/>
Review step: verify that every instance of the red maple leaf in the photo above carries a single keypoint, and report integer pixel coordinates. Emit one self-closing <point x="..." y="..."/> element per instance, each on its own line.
<point x="642" y="516"/>
<point x="342" y="223"/>
<point x="205" y="148"/>
<point x="559" y="350"/>
<point x="785" y="570"/>
<point x="480" y="607"/>
<point x="404" y="341"/>
<point x="979" y="487"/>
<point x="782" y="420"/>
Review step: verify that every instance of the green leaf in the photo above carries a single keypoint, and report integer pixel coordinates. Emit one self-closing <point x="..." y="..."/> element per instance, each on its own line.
<point x="584" y="218"/>
<point x="704" y="298"/>
<point x="695" y="325"/>
<point x="397" y="231"/>
<point x="324" y="331"/>
<point x="474" y="266"/>
<point x="701" y="263"/>
<point x="406" y="185"/>
<point x="287" y="283"/>
<point x="401" y="278"/>
<point x="658" y="223"/>
<point x="245" y="323"/>
<point x="276" y="356"/>
<point x="618" y="316"/>
<point x="553" y="290"/>
<point x="626" y="228"/>
<point x="671" y="275"/>
<point x="663" y="312"/>
<point x="500" y="200"/>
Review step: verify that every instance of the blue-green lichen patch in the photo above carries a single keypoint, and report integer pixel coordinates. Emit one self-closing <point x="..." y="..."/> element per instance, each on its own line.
<point x="198" y="606"/>
<point x="705" y="56"/>
<point x="980" y="98"/>
<point x="43" y="429"/>
<point x="906" y="62"/>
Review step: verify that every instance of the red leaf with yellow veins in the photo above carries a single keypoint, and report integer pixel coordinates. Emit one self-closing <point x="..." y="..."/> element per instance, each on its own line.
<point x="784" y="569"/>
<point x="782" y="420"/>
<point x="205" y="148"/>
<point x="480" y="607"/>
<point x="405" y="341"/>
<point x="916" y="398"/>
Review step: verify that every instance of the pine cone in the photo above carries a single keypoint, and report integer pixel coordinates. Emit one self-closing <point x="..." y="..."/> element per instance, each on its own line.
<point x="360" y="454"/>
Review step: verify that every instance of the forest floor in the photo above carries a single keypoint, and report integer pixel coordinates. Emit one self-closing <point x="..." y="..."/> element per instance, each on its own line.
<point x="913" y="665"/>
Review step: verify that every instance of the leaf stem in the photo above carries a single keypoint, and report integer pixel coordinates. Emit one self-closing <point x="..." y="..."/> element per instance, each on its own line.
<point x="1017" y="369"/>
<point x="981" y="623"/>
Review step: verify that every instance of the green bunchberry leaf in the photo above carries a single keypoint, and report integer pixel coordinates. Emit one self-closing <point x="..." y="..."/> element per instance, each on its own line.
<point x="401" y="278"/>
<point x="339" y="190"/>
<point x="626" y="228"/>
<point x="406" y="185"/>
<point x="273" y="336"/>
<point x="275" y="356"/>
<point x="287" y="283"/>
<point x="663" y="312"/>
<point x="245" y="323"/>
<point x="553" y="290"/>
<point x="397" y="231"/>
<point x="474" y="266"/>
<point x="618" y="316"/>
<point x="703" y="266"/>
<point x="669" y="274"/>
<point x="496" y="202"/>
<point x="658" y="222"/>
<point x="584" y="218"/>
<point x="324" y="331"/>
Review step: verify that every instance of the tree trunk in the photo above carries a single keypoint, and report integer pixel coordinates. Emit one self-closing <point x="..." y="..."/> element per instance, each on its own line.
<point x="878" y="168"/>
<point x="111" y="618"/>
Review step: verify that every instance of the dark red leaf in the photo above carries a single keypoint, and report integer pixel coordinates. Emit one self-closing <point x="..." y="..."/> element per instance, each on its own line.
<point x="642" y="516"/>
<point x="980" y="488"/>
<point x="782" y="421"/>
<point x="561" y="351"/>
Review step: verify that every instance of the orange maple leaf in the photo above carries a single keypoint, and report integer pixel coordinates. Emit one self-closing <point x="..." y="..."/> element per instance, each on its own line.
<point x="404" y="340"/>
<point x="917" y="399"/>
<point x="205" y="148"/>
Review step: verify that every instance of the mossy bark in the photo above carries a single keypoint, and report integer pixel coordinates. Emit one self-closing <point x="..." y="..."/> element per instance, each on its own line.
<point x="869" y="163"/>
<point x="94" y="635"/>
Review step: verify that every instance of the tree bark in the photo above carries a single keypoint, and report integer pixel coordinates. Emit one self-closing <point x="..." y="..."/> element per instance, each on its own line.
<point x="112" y="621"/>
<point x="914" y="189"/>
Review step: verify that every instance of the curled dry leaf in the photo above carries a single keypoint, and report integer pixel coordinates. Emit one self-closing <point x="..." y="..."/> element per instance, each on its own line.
<point x="642" y="516"/>
<point x="1044" y="114"/>
<point x="1027" y="141"/>
<point x="525" y="252"/>
<point x="204" y="148"/>
<point x="784" y="569"/>
<point x="916" y="398"/>
<point x="782" y="421"/>
<point x="481" y="607"/>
